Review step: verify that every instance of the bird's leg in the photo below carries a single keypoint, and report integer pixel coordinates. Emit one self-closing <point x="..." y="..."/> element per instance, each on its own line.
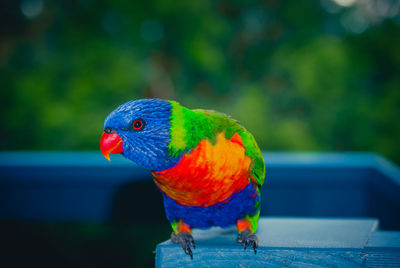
<point x="246" y="235"/>
<point x="181" y="235"/>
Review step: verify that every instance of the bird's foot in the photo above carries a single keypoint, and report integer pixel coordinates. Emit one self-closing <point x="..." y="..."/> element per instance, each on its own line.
<point x="184" y="239"/>
<point x="246" y="238"/>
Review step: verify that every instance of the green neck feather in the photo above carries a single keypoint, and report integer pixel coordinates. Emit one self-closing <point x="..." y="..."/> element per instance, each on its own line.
<point x="189" y="127"/>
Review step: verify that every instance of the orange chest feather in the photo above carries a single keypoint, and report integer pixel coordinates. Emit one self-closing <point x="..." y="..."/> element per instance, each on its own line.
<point x="209" y="174"/>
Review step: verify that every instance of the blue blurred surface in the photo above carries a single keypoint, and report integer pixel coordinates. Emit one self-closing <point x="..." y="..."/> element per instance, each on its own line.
<point x="82" y="186"/>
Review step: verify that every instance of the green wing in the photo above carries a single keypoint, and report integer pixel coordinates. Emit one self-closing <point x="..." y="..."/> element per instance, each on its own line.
<point x="254" y="152"/>
<point x="189" y="127"/>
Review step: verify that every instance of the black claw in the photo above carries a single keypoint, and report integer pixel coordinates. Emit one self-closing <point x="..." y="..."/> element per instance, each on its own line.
<point x="186" y="240"/>
<point x="188" y="251"/>
<point x="246" y="238"/>
<point x="191" y="242"/>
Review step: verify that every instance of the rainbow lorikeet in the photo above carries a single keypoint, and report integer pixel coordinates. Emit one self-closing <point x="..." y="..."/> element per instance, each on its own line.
<point x="207" y="166"/>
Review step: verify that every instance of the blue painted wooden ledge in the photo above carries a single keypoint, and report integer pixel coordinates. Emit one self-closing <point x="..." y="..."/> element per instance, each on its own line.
<point x="292" y="242"/>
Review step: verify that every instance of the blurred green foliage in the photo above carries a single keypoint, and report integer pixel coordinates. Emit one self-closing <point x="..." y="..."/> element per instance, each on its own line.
<point x="300" y="75"/>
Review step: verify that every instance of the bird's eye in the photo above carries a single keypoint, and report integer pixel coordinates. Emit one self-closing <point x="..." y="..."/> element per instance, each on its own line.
<point x="138" y="124"/>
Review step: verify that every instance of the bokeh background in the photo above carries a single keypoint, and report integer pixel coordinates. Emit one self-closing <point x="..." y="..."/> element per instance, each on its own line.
<point x="300" y="75"/>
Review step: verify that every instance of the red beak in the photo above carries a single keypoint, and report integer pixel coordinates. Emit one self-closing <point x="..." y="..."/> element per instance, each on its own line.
<point x="110" y="144"/>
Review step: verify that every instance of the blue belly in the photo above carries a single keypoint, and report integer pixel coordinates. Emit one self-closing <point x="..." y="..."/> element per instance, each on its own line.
<point x="223" y="214"/>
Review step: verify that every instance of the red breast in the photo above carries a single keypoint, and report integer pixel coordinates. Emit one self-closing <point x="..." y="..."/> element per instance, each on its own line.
<point x="209" y="174"/>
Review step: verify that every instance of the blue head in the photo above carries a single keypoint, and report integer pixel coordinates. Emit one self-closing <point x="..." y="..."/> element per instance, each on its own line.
<point x="143" y="126"/>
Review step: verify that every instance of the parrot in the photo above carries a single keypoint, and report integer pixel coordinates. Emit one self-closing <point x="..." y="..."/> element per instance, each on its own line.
<point x="207" y="166"/>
